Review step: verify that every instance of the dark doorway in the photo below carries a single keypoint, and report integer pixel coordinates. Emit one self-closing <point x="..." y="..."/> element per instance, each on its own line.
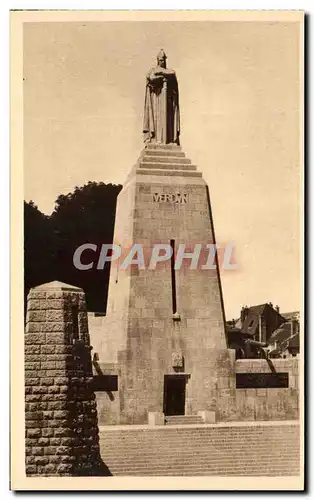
<point x="174" y="395"/>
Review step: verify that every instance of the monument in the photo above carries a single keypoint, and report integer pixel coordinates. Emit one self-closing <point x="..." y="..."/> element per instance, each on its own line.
<point x="164" y="332"/>
<point x="159" y="355"/>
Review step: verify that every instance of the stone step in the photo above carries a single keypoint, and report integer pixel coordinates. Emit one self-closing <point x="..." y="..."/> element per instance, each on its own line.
<point x="189" y="447"/>
<point x="167" y="173"/>
<point x="206" y="473"/>
<point x="155" y="146"/>
<point x="165" y="159"/>
<point x="202" y="473"/>
<point x="284" y="471"/>
<point x="167" y="166"/>
<point x="183" y="419"/>
<point x="204" y="450"/>
<point x="190" y="450"/>
<point x="171" y="153"/>
<point x="255" y="467"/>
<point x="211" y="451"/>
<point x="210" y="433"/>
<point x="190" y="442"/>
<point x="117" y="451"/>
<point x="229" y="428"/>
<point x="203" y="462"/>
<point x="285" y="468"/>
<point x="183" y="422"/>
<point x="187" y="456"/>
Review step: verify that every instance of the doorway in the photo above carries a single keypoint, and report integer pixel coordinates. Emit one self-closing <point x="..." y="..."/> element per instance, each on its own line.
<point x="174" y="394"/>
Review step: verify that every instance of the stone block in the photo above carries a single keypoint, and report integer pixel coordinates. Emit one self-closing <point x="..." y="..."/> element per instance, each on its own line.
<point x="33" y="365"/>
<point x="33" y="381"/>
<point x="59" y="304"/>
<point x="61" y="381"/>
<point x="60" y="432"/>
<point x="156" y="418"/>
<point x="44" y="441"/>
<point x="50" y="469"/>
<point x="33" y="433"/>
<point x="37" y="450"/>
<point x="64" y="469"/>
<point x="41" y="460"/>
<point x="51" y="327"/>
<point x="32" y="398"/>
<point x="209" y="417"/>
<point x="55" y="338"/>
<point x="31" y="470"/>
<point x="55" y="315"/>
<point x="33" y="304"/>
<point x="54" y="295"/>
<point x="33" y="294"/>
<point x="45" y="432"/>
<point x="35" y="316"/>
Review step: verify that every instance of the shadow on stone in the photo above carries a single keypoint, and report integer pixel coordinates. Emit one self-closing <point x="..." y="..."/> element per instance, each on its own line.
<point x="100" y="470"/>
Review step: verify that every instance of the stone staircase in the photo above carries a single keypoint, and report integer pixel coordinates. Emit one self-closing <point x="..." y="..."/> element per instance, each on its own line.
<point x="183" y="420"/>
<point x="253" y="449"/>
<point x="164" y="159"/>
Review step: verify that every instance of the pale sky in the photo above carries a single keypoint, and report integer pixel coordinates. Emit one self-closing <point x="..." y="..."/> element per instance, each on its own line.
<point x="239" y="102"/>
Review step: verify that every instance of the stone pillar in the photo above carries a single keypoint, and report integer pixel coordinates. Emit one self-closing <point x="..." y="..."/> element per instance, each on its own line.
<point x="60" y="407"/>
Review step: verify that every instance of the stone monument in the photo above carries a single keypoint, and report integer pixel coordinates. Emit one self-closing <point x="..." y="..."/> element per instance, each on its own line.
<point x="165" y="327"/>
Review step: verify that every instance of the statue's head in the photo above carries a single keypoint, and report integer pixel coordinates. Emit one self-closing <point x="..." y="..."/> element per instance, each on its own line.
<point x="161" y="58"/>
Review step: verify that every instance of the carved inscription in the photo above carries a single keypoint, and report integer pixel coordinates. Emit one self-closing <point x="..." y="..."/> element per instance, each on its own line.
<point x="173" y="198"/>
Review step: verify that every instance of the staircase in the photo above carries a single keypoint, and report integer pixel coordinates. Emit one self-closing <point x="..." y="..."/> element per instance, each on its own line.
<point x="253" y="449"/>
<point x="183" y="420"/>
<point x="164" y="159"/>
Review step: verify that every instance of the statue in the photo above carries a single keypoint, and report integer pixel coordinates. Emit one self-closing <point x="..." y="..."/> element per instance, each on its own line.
<point x="161" y="109"/>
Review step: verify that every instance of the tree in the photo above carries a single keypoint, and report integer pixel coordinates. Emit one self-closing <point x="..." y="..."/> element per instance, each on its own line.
<point x="85" y="216"/>
<point x="39" y="244"/>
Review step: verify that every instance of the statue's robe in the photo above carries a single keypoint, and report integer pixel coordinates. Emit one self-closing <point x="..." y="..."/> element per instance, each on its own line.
<point x="156" y="128"/>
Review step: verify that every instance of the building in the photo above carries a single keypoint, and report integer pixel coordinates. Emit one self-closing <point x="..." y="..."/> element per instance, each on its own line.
<point x="285" y="341"/>
<point x="278" y="332"/>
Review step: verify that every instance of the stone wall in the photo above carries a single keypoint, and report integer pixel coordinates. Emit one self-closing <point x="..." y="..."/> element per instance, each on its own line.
<point x="269" y="404"/>
<point x="228" y="403"/>
<point x="61" y="435"/>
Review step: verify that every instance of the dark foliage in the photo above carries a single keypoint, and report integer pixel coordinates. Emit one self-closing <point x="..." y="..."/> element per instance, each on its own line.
<point x="85" y="216"/>
<point x="39" y="245"/>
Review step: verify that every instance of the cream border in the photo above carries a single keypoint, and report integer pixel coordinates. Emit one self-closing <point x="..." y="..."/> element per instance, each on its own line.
<point x="18" y="479"/>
